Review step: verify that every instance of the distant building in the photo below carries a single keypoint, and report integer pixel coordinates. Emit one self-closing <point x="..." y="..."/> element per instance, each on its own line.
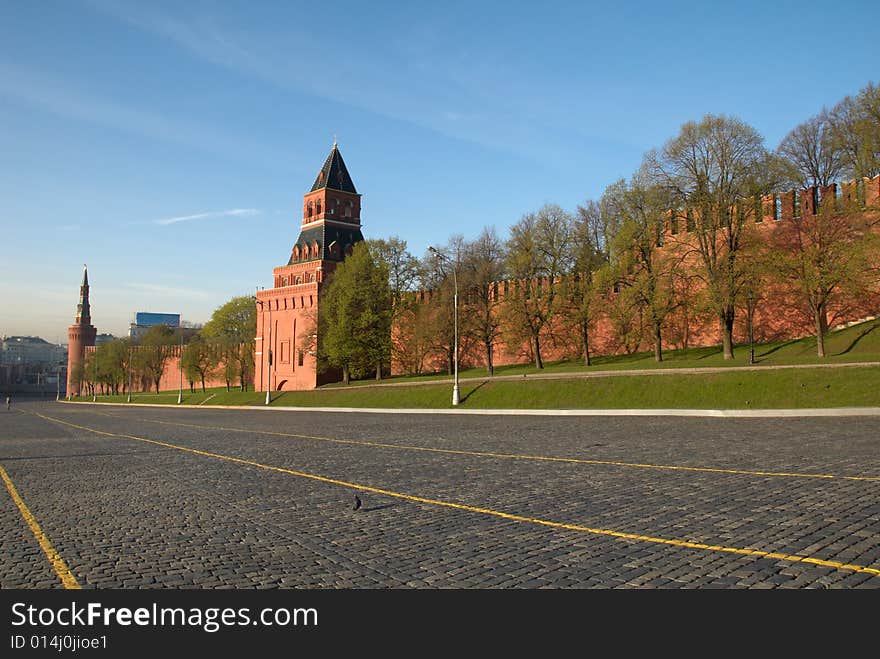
<point x="29" y="364"/>
<point x="101" y="339"/>
<point x="144" y="320"/>
<point x="30" y="351"/>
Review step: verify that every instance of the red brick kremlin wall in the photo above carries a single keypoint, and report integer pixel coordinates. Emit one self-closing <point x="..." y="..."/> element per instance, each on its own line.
<point x="778" y="317"/>
<point x="779" y="314"/>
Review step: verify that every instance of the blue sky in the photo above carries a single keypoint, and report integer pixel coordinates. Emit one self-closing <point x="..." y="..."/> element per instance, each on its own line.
<point x="168" y="144"/>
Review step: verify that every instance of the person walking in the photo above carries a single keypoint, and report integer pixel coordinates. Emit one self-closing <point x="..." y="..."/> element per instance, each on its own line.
<point x="8" y="402"/>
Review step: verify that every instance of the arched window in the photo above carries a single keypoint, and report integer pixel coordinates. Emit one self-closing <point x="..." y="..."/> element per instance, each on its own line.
<point x="299" y="280"/>
<point x="348" y="208"/>
<point x="296" y="253"/>
<point x="318" y="206"/>
<point x="311" y="209"/>
<point x="315" y="251"/>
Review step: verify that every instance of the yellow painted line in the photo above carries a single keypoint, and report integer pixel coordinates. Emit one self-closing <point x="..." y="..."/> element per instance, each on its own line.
<point x="513" y="456"/>
<point x="61" y="569"/>
<point x="793" y="558"/>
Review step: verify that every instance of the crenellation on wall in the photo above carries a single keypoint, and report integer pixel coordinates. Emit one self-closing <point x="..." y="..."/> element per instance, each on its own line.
<point x="872" y="191"/>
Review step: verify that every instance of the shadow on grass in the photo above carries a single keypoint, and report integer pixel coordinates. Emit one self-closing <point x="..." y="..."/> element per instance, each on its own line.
<point x="704" y="353"/>
<point x="777" y="347"/>
<point x="858" y="338"/>
<point x="472" y="391"/>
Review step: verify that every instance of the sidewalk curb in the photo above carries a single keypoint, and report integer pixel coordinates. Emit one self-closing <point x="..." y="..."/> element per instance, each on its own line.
<point x="752" y="414"/>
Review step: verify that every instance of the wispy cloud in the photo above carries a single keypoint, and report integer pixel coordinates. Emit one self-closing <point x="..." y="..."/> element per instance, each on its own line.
<point x="232" y="212"/>
<point x="63" y="98"/>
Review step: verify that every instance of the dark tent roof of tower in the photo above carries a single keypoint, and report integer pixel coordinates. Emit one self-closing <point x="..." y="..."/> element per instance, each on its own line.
<point x="334" y="174"/>
<point x="326" y="236"/>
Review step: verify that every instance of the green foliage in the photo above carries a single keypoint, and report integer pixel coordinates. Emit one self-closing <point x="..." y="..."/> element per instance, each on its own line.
<point x="828" y="257"/>
<point x="648" y="273"/>
<point x="710" y="168"/>
<point x="113" y="365"/>
<point x="539" y="254"/>
<point x="199" y="360"/>
<point x="155" y="348"/>
<point x="855" y="132"/>
<point x="355" y="316"/>
<point x="234" y="326"/>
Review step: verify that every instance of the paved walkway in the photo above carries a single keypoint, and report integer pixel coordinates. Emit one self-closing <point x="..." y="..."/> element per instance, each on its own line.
<point x="577" y="375"/>
<point x="204" y="498"/>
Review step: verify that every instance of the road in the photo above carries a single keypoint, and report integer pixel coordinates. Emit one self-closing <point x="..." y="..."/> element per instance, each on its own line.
<point x="137" y="497"/>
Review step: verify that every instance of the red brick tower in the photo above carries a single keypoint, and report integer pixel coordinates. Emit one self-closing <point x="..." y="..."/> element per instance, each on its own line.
<point x="79" y="335"/>
<point x="287" y="313"/>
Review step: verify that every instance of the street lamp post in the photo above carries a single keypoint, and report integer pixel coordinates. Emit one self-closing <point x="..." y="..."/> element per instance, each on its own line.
<point x="267" y="350"/>
<point x="440" y="256"/>
<point x="128" y="400"/>
<point x="269" y="359"/>
<point x="95" y="375"/>
<point x="180" y="368"/>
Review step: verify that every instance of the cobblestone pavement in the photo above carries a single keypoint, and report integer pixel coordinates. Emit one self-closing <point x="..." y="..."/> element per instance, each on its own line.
<point x="125" y="513"/>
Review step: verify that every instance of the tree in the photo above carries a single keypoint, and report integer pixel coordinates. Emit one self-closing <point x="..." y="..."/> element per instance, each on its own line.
<point x="538" y="255"/>
<point x="855" y="131"/>
<point x="826" y="256"/>
<point x="156" y="347"/>
<point x="482" y="269"/>
<point x="716" y="168"/>
<point x="582" y="290"/>
<point x="639" y="263"/>
<point x="113" y="365"/>
<point x="403" y="267"/>
<point x="438" y="273"/>
<point x="234" y="326"/>
<point x="199" y="360"/>
<point x="355" y="315"/>
<point x="403" y="273"/>
<point x="809" y="153"/>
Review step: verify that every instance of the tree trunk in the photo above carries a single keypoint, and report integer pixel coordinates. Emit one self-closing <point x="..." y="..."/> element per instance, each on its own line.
<point x="157" y="384"/>
<point x="346" y="378"/>
<point x="203" y="384"/>
<point x="727" y="332"/>
<point x="821" y="321"/>
<point x="536" y="346"/>
<point x="658" y="342"/>
<point x="490" y="366"/>
<point x="379" y="370"/>
<point x="750" y="321"/>
<point x="585" y="342"/>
